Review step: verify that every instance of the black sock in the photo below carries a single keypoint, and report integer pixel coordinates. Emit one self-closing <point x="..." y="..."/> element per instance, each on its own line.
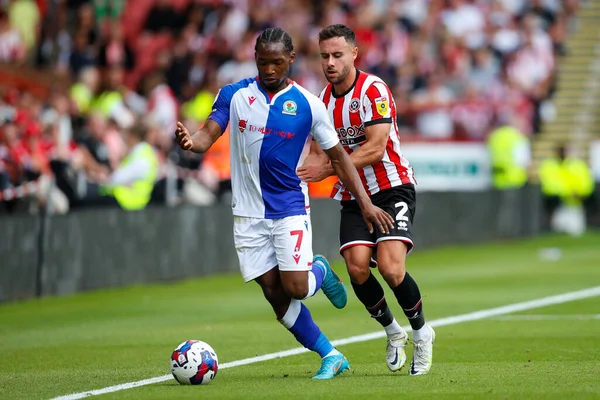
<point x="371" y="295"/>
<point x="409" y="298"/>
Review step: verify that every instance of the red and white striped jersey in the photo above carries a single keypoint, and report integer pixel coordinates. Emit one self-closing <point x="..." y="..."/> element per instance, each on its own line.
<point x="369" y="101"/>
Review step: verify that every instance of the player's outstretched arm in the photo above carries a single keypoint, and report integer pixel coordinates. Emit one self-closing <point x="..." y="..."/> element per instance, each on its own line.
<point x="344" y="168"/>
<point x="201" y="140"/>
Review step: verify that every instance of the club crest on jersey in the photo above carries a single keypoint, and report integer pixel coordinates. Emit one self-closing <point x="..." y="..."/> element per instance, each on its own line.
<point x="242" y="125"/>
<point x="382" y="104"/>
<point x="354" y="105"/>
<point x="289" y="107"/>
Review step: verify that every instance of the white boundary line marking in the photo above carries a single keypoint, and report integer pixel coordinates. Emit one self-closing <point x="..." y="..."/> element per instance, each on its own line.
<point x="548" y="317"/>
<point x="457" y="319"/>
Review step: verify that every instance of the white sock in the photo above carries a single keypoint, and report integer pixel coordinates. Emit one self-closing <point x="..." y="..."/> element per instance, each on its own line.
<point x="393" y="328"/>
<point x="333" y="352"/>
<point x="312" y="285"/>
<point x="422" y="334"/>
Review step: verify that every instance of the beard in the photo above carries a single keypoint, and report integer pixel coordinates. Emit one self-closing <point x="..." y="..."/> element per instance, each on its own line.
<point x="339" y="78"/>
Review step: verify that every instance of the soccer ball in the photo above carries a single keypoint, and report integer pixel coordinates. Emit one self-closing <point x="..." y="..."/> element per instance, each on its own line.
<point x="194" y="362"/>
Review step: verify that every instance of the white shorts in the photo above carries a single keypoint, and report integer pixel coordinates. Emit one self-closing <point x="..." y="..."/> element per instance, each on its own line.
<point x="262" y="244"/>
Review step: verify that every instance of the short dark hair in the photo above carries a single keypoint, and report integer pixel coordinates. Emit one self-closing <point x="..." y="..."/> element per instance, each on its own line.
<point x="337" y="30"/>
<point x="275" y="35"/>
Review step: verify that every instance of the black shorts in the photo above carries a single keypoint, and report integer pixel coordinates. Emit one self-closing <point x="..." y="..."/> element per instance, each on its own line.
<point x="399" y="202"/>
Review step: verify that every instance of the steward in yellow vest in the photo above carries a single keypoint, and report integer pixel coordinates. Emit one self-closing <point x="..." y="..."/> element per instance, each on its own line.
<point x="510" y="155"/>
<point x="567" y="184"/>
<point x="567" y="178"/>
<point x="132" y="183"/>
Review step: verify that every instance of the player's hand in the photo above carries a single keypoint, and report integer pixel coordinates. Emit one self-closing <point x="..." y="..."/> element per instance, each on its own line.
<point x="314" y="172"/>
<point x="184" y="139"/>
<point x="376" y="217"/>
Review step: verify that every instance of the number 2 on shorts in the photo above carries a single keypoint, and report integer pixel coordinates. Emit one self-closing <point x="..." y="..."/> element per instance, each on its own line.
<point x="403" y="208"/>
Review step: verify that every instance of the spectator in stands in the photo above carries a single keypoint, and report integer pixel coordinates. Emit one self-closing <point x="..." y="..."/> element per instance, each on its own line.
<point x="432" y="105"/>
<point x="485" y="70"/>
<point x="94" y="153"/>
<point x="532" y="71"/>
<point x="163" y="18"/>
<point x="162" y="107"/>
<point x="12" y="155"/>
<point x="57" y="119"/>
<point x="472" y="115"/>
<point x="463" y="20"/>
<point x="86" y="23"/>
<point x="25" y="16"/>
<point x="82" y="54"/>
<point x="108" y="9"/>
<point x="114" y="51"/>
<point x="12" y="46"/>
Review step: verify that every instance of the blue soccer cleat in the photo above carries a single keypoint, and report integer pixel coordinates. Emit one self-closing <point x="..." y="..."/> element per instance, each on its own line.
<point x="332" y="366"/>
<point x="332" y="285"/>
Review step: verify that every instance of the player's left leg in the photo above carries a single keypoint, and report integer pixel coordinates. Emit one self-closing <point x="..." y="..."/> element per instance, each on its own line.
<point x="296" y="317"/>
<point x="392" y="249"/>
<point x="392" y="266"/>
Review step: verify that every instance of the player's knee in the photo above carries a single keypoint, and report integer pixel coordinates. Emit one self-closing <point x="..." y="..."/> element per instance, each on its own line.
<point x="296" y="289"/>
<point x="358" y="273"/>
<point x="392" y="270"/>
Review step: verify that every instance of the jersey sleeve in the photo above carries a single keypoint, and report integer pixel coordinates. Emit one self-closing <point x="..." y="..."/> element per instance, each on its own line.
<point x="377" y="104"/>
<point x="220" y="108"/>
<point x="322" y="128"/>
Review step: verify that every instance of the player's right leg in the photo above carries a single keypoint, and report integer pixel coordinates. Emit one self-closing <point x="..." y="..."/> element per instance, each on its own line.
<point x="296" y="317"/>
<point x="356" y="248"/>
<point x="292" y="239"/>
<point x="332" y="285"/>
<point x="258" y="261"/>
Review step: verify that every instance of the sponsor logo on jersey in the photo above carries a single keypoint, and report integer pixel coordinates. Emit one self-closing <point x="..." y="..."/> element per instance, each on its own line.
<point x="243" y="125"/>
<point x="251" y="99"/>
<point x="351" y="141"/>
<point x="351" y="131"/>
<point x="289" y="107"/>
<point x="383" y="105"/>
<point x="352" y="135"/>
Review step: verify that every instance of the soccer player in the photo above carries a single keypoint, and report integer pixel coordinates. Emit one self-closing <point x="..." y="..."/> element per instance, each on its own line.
<point x="272" y="120"/>
<point x="364" y="115"/>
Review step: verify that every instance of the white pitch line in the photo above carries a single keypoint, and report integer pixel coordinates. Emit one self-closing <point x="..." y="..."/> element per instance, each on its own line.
<point x="548" y="317"/>
<point x="457" y="319"/>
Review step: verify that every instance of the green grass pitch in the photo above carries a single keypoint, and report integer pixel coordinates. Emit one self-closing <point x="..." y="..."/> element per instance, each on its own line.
<point x="57" y="346"/>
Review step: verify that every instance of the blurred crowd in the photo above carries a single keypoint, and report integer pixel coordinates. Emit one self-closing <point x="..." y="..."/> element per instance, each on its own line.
<point x="457" y="68"/>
